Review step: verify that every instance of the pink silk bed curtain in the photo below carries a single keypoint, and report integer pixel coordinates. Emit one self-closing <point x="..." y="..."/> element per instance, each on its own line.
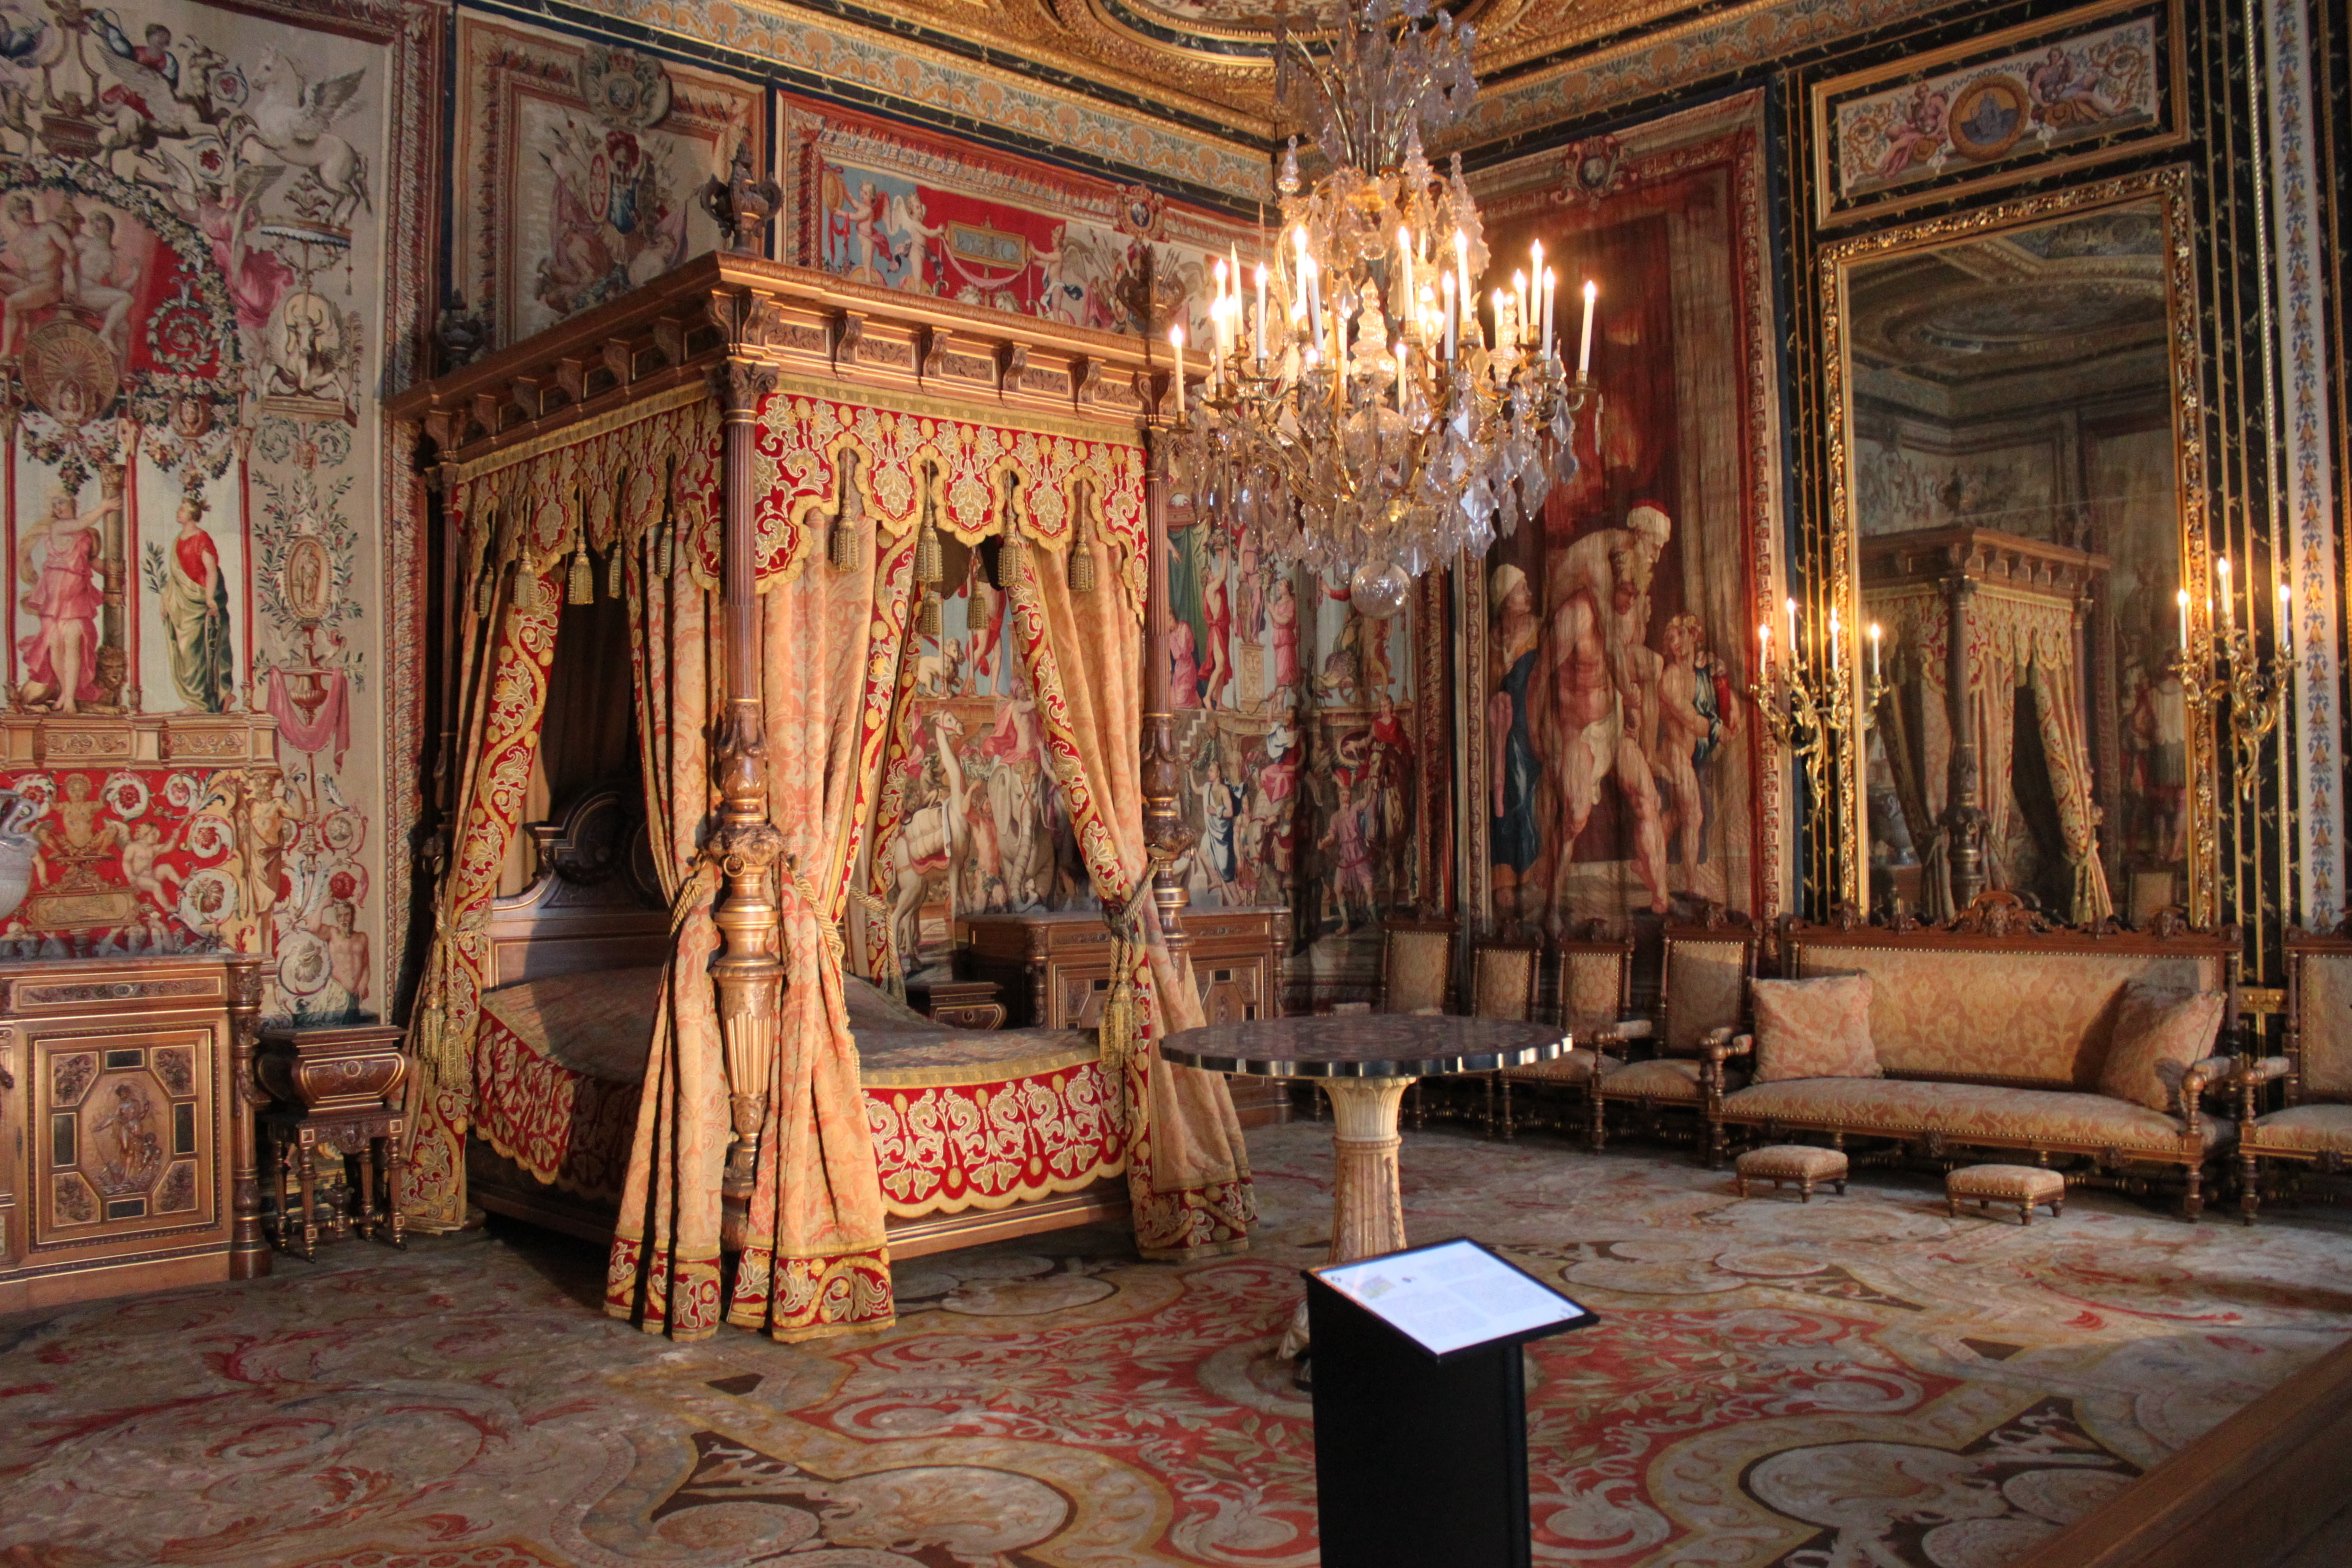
<point x="811" y="1258"/>
<point x="502" y="727"/>
<point x="1188" y="1178"/>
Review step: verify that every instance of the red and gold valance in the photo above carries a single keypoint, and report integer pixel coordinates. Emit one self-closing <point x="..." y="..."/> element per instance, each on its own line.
<point x="1073" y="487"/>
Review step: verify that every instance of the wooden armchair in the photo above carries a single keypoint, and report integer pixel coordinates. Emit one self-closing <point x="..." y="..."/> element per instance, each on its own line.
<point x="2310" y="1131"/>
<point x="1592" y="999"/>
<point x="1677" y="1092"/>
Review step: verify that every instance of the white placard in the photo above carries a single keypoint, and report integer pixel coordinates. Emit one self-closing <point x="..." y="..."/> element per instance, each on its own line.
<point x="1451" y="1296"/>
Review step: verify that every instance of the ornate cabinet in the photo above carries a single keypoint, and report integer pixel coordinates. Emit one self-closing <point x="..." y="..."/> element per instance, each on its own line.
<point x="126" y="1154"/>
<point x="1055" y="968"/>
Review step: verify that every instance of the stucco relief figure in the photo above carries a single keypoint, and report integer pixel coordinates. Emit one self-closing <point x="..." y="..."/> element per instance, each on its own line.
<point x="195" y="605"/>
<point x="58" y="567"/>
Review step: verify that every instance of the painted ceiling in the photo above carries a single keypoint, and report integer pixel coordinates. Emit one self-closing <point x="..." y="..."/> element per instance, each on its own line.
<point x="1210" y="61"/>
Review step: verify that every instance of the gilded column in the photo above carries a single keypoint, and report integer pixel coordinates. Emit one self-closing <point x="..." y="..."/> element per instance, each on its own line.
<point x="249" y="1252"/>
<point x="748" y="974"/>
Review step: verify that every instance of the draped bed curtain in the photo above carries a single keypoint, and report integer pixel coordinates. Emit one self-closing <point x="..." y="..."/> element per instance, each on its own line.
<point x="634" y="497"/>
<point x="2013" y="643"/>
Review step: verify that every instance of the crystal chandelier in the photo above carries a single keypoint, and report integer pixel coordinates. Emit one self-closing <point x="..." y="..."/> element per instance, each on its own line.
<point x="1358" y="413"/>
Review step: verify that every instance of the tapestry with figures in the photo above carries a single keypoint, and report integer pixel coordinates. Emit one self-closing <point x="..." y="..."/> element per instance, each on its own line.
<point x="193" y="275"/>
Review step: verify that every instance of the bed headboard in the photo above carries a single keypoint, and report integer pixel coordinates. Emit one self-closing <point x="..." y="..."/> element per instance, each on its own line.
<point x="596" y="902"/>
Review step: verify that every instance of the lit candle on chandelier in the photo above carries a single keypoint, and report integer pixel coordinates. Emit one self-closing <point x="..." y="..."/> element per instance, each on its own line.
<point x="1791" y="607"/>
<point x="1452" y="313"/>
<point x="1519" y="321"/>
<point x="1258" y="327"/>
<point x="2286" y="623"/>
<point x="1176" y="342"/>
<point x="1404" y="269"/>
<point x="1764" y="650"/>
<point x="1401" y="350"/>
<point x="2229" y="609"/>
<point x="1874" y="652"/>
<point x="1462" y="272"/>
<point x="2183" y="598"/>
<point x="1592" y="291"/>
<point x="1551" y="287"/>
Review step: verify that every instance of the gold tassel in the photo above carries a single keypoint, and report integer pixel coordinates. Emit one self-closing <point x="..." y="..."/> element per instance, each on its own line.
<point x="583" y="578"/>
<point x="927" y="619"/>
<point x="615" y="573"/>
<point x="1008" y="561"/>
<point x="930" y="560"/>
<point x="1082" y="573"/>
<point x="841" y="544"/>
<point x="485" y="592"/>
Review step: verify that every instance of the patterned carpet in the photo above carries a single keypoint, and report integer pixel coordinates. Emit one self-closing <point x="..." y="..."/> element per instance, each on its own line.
<point x="1858" y="1381"/>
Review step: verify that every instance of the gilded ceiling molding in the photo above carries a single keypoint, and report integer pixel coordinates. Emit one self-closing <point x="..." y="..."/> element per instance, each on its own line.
<point x="828" y="51"/>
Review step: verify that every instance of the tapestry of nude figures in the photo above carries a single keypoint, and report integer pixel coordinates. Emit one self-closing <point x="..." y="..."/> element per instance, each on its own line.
<point x="1616" y="771"/>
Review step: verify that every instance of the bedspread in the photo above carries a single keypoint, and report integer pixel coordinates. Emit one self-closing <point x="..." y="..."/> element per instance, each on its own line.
<point x="961" y="1120"/>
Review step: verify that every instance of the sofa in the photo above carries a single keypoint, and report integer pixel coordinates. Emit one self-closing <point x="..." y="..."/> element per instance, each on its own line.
<point x="1990" y="1032"/>
<point x="2304" y="1125"/>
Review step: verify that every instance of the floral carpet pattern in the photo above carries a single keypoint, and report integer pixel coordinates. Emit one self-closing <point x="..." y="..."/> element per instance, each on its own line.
<point x="1858" y="1380"/>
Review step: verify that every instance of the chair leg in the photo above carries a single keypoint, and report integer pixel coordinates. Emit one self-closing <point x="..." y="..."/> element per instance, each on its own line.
<point x="2249" y="1187"/>
<point x="1597" y="1120"/>
<point x="2193" y="1200"/>
<point x="1510" y="1128"/>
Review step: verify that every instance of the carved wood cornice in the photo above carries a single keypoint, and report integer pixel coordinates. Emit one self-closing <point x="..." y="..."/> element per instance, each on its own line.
<point x="1985" y="556"/>
<point x="796" y="322"/>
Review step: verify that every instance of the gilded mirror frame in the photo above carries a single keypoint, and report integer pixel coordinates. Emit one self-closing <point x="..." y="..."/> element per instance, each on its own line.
<point x="2168" y="189"/>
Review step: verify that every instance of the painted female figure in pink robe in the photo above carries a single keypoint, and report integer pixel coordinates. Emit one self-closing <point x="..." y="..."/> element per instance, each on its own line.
<point x="61" y="658"/>
<point x="1183" y="668"/>
<point x="1282" y="616"/>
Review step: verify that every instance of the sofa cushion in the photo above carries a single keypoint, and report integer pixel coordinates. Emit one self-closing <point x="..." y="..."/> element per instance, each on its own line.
<point x="1966" y="1112"/>
<point x="2024" y="1016"/>
<point x="2158" y="1034"/>
<point x="1814" y="1029"/>
<point x="2302" y="1129"/>
<point x="1670" y="1079"/>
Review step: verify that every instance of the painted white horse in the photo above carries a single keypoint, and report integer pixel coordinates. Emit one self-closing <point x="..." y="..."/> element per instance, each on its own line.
<point x="289" y="120"/>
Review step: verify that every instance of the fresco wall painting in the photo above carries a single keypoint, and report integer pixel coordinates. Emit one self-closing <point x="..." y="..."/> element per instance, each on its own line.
<point x="1614" y="761"/>
<point x="192" y="273"/>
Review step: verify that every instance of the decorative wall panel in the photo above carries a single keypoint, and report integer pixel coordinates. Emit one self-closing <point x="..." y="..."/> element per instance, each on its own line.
<point x="583" y="163"/>
<point x="881" y="204"/>
<point x="2056" y="94"/>
<point x="193" y="230"/>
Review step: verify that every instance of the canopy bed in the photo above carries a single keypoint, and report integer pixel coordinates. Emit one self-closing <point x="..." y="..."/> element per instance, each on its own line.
<point x="656" y="1039"/>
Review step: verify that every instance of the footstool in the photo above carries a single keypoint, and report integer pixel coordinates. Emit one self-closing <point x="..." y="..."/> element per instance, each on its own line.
<point x="2027" y="1186"/>
<point x="1782" y="1163"/>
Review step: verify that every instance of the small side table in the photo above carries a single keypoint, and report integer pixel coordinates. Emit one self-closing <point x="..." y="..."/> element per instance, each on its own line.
<point x="335" y="1090"/>
<point x="959" y="1004"/>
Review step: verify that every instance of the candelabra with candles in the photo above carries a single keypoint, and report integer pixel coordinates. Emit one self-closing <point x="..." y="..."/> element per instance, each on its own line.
<point x="1358" y="412"/>
<point x="2224" y="671"/>
<point x="1805" y="713"/>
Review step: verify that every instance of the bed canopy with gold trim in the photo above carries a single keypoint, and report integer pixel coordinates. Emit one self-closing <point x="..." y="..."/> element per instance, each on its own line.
<point x="758" y="461"/>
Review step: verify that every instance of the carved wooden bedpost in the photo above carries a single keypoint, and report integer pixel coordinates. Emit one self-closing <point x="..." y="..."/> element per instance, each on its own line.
<point x="1964" y="817"/>
<point x="748" y="974"/>
<point x="249" y="1252"/>
<point x="1163" y="817"/>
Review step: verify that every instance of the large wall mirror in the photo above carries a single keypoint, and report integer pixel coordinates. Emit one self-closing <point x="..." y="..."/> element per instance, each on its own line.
<point x="2013" y="420"/>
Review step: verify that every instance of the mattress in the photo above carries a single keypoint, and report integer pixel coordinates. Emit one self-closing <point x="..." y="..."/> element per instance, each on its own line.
<point x="961" y="1119"/>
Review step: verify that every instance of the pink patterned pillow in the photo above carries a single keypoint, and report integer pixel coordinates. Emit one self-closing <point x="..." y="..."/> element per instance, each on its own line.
<point x="2159" y="1033"/>
<point x="1814" y="1029"/>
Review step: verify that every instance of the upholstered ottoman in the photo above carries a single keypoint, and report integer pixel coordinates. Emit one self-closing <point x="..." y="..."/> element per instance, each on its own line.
<point x="2027" y="1186"/>
<point x="1782" y="1163"/>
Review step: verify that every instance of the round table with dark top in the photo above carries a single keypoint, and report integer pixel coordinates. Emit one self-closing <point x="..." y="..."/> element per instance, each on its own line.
<point x="1365" y="1062"/>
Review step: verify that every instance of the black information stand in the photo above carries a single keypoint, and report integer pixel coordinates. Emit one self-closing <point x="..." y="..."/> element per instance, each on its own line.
<point x="1421" y="1405"/>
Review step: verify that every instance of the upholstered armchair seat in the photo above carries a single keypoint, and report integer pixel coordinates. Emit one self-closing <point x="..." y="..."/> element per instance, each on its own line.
<point x="1972" y="1113"/>
<point x="1577" y="1066"/>
<point x="2308" y="1131"/>
<point x="1665" y="1080"/>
